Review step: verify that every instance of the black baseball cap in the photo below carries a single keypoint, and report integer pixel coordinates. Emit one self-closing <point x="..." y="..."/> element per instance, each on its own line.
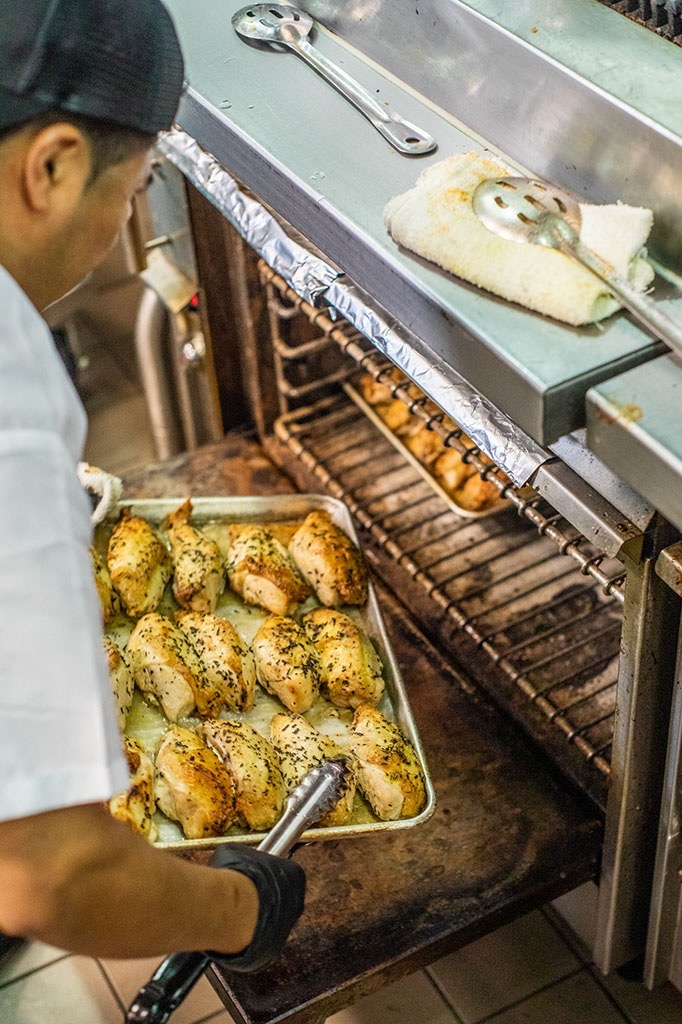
<point x="117" y="61"/>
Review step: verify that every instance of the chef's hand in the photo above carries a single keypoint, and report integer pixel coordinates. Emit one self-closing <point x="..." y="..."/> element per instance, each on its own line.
<point x="281" y="894"/>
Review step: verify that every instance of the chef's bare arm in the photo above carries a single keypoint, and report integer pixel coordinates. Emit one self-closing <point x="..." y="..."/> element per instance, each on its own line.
<point x="78" y="879"/>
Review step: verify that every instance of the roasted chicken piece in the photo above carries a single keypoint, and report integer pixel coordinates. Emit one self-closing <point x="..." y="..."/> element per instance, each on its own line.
<point x="300" y="748"/>
<point x="122" y="681"/>
<point x="425" y="445"/>
<point x="351" y="668"/>
<point x="254" y="768"/>
<point x="169" y="671"/>
<point x="193" y="786"/>
<point x="198" y="573"/>
<point x="262" y="572"/>
<point x="380" y="391"/>
<point x="329" y="560"/>
<point x="137" y="804"/>
<point x="227" y="659"/>
<point x="451" y="471"/>
<point x="286" y="662"/>
<point x="389" y="774"/>
<point x="398" y="417"/>
<point x="105" y="589"/>
<point x="476" y="494"/>
<point x="139" y="564"/>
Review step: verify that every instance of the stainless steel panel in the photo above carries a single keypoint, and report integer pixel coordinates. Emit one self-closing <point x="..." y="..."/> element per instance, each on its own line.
<point x="608" y="125"/>
<point x="297" y="143"/>
<point x="634" y="424"/>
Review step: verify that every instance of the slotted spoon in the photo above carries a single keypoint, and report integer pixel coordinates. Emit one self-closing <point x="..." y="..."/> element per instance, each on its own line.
<point x="283" y="25"/>
<point x="524" y="210"/>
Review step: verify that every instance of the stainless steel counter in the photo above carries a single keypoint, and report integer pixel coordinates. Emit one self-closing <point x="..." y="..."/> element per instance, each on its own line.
<point x="634" y="423"/>
<point x="300" y="146"/>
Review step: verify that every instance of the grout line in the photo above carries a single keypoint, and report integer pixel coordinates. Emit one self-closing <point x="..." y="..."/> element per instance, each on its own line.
<point x="567" y="934"/>
<point x="443" y="995"/>
<point x="34" y="970"/>
<point x="110" y="985"/>
<point x="519" y="1002"/>
<point x="595" y="974"/>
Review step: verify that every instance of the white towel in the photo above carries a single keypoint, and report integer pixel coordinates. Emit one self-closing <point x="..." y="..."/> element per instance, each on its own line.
<point x="436" y="220"/>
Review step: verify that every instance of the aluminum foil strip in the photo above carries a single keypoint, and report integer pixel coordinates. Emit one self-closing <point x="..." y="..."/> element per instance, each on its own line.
<point x="307" y="274"/>
<point x="494" y="433"/>
<point x="319" y="284"/>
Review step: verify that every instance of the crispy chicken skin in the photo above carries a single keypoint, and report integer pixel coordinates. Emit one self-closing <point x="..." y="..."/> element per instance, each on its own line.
<point x="301" y="747"/>
<point x="329" y="561"/>
<point x="351" y="668"/>
<point x="193" y="786"/>
<point x="287" y="663"/>
<point x="261" y="571"/>
<point x="198" y="573"/>
<point x="137" y="804"/>
<point x="476" y="494"/>
<point x="108" y="599"/>
<point x="254" y="767"/>
<point x="389" y="774"/>
<point x="139" y="564"/>
<point x="451" y="471"/>
<point x="122" y="681"/>
<point x="169" y="671"/>
<point x="227" y="659"/>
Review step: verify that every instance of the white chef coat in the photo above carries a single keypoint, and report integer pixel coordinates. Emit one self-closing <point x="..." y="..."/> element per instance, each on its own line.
<point x="59" y="744"/>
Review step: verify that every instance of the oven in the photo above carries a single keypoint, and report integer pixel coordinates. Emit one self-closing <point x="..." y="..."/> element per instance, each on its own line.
<point x="539" y="642"/>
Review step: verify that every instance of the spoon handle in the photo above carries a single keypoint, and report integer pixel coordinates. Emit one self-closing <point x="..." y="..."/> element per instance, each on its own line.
<point x="407" y="138"/>
<point x="640" y="305"/>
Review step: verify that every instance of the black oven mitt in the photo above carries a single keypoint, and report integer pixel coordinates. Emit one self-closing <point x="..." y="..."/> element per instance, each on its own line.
<point x="281" y="895"/>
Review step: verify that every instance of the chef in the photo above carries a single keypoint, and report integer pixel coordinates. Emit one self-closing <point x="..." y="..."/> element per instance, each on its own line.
<point x="85" y="85"/>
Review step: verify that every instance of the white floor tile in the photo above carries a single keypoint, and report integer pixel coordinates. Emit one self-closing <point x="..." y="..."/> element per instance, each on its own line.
<point x="664" y="1006"/>
<point x="505" y="966"/>
<point x="579" y="911"/>
<point x="576" y="1000"/>
<point x="26" y="958"/>
<point x="70" y="991"/>
<point x="128" y="976"/>
<point x="412" y="1000"/>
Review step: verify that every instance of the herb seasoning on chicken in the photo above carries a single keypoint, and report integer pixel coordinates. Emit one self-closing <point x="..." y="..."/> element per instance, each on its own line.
<point x="329" y="561"/>
<point x="287" y="663"/>
<point x="136" y="805"/>
<point x="139" y="564"/>
<point x="227" y="659"/>
<point x="351" y="668"/>
<point x="198" y="574"/>
<point x="389" y="774"/>
<point x="262" y="572"/>
<point x="193" y="786"/>
<point x="301" y="747"/>
<point x="254" y="767"/>
<point x="168" y="669"/>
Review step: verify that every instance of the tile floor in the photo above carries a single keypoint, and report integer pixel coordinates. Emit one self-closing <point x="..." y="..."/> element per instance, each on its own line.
<point x="536" y="970"/>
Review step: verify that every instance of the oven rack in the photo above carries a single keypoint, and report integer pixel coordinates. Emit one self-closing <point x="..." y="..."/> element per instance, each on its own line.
<point x="549" y="626"/>
<point x="284" y="303"/>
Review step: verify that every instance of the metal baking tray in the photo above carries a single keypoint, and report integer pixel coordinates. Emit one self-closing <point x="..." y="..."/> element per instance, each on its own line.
<point x="147" y="723"/>
<point x="466" y="513"/>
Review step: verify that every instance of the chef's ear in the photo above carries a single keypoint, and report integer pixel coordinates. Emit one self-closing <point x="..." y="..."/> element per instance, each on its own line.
<point x="56" y="167"/>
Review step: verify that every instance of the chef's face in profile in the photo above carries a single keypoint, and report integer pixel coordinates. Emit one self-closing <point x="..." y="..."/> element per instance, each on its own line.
<point x="105" y="206"/>
<point x="62" y="213"/>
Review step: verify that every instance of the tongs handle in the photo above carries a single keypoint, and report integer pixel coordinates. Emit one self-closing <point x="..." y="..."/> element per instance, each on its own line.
<point x="639" y="304"/>
<point x="404" y="136"/>
<point x="172" y="981"/>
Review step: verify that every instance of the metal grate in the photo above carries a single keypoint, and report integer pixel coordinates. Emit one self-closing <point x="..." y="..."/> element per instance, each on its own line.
<point x="661" y="16"/>
<point x="520" y="598"/>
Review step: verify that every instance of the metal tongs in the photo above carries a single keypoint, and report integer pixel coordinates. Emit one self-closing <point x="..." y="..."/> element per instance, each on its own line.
<point x="525" y="210"/>
<point x="307" y="804"/>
